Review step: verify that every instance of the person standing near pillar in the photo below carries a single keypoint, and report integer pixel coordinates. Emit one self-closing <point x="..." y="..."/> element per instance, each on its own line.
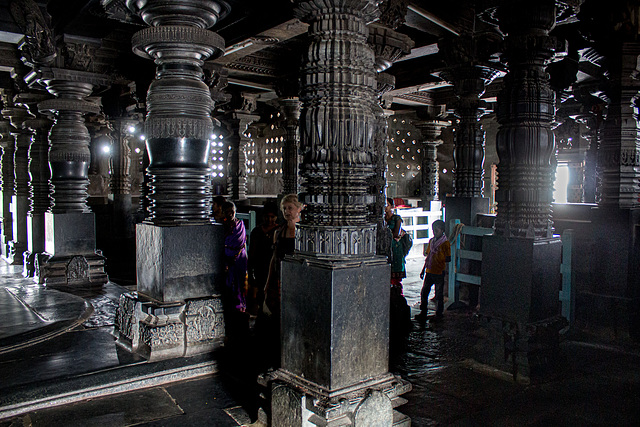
<point x="394" y="223"/>
<point x="260" y="252"/>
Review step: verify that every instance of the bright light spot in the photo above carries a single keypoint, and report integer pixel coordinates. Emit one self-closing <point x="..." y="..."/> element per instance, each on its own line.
<point x="142" y="137"/>
<point x="220" y="159"/>
<point x="444" y="171"/>
<point x="221" y="174"/>
<point x="213" y="136"/>
<point x="132" y="129"/>
<point x="215" y="174"/>
<point x="561" y="183"/>
<point x="137" y="150"/>
<point x="106" y="149"/>
<point x="219" y="167"/>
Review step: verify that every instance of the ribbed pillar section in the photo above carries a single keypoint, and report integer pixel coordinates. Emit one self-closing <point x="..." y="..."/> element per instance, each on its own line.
<point x="8" y="182"/>
<point x="20" y="203"/>
<point x="178" y="125"/>
<point x="525" y="141"/>
<point x="338" y="98"/>
<point x="121" y="157"/>
<point x="238" y="122"/>
<point x="291" y="110"/>
<point x="69" y="155"/>
<point x="431" y="131"/>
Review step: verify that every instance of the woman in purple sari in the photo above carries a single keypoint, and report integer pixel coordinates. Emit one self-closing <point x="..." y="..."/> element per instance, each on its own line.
<point x="235" y="257"/>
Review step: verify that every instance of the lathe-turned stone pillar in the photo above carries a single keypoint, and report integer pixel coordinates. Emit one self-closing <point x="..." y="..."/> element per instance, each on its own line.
<point x="40" y="189"/>
<point x="334" y="364"/>
<point x="18" y="114"/>
<point x="238" y="121"/>
<point x="430" y="125"/>
<point x="290" y="159"/>
<point x="70" y="239"/>
<point x="521" y="261"/>
<point x="177" y="310"/>
<point x="8" y="144"/>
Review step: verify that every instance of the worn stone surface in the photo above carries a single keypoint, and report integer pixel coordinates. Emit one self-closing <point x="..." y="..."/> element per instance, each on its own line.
<point x="176" y="263"/>
<point x="329" y="342"/>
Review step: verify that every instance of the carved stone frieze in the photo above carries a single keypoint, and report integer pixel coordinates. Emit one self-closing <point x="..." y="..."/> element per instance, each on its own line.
<point x="38" y="47"/>
<point x="323" y="241"/>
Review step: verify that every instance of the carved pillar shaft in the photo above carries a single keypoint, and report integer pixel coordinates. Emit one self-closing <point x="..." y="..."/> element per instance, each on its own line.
<point x="290" y="158"/>
<point x="121" y="156"/>
<point x="20" y="202"/>
<point x="429" y="188"/>
<point x="590" y="163"/>
<point x="178" y="124"/>
<point x="619" y="151"/>
<point x="468" y="154"/>
<point x="69" y="155"/>
<point x="525" y="141"/>
<point x="338" y="99"/>
<point x="238" y="122"/>
<point x="8" y="184"/>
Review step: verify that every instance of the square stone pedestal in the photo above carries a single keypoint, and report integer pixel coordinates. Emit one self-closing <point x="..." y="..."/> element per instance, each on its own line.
<point x="35" y="243"/>
<point x="465" y="209"/>
<point x="17" y="247"/>
<point x="177" y="310"/>
<point x="70" y="257"/>
<point x="520" y="304"/>
<point x="335" y="345"/>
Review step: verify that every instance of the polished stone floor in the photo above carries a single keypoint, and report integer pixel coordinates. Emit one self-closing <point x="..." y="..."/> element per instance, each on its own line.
<point x="59" y="366"/>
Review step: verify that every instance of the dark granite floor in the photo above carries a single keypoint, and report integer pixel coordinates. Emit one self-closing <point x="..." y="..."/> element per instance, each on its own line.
<point x="598" y="384"/>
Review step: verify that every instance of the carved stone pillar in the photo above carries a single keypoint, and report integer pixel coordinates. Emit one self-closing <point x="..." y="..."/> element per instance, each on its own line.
<point x="619" y="152"/>
<point x="431" y="128"/>
<point x="521" y="261"/>
<point x="70" y="225"/>
<point x="121" y="155"/>
<point x="388" y="45"/>
<point x="8" y="181"/>
<point x="337" y="371"/>
<point x="176" y="311"/>
<point x="468" y="68"/>
<point x="39" y="184"/>
<point x="18" y="114"/>
<point x="238" y="121"/>
<point x="291" y="110"/>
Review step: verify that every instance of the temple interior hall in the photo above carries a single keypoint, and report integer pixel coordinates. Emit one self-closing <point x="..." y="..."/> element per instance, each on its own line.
<point x="126" y="127"/>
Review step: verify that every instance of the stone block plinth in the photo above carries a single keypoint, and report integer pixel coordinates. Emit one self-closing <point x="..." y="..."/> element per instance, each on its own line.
<point x="519" y="305"/>
<point x="335" y="320"/>
<point x="17" y="246"/>
<point x="465" y="209"/>
<point x="335" y="346"/>
<point x="179" y="263"/>
<point x="70" y="257"/>
<point x="35" y="243"/>
<point x="167" y="330"/>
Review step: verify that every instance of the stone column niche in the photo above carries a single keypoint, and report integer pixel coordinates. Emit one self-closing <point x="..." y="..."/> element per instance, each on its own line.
<point x="521" y="261"/>
<point x="20" y="201"/>
<point x="176" y="310"/>
<point x="71" y="257"/>
<point x="8" y="144"/>
<point x="335" y="289"/>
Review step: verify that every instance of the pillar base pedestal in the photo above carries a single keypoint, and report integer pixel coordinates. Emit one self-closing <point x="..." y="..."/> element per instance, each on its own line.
<point x="160" y="331"/>
<point x="520" y="307"/>
<point x="84" y="270"/>
<point x="299" y="402"/>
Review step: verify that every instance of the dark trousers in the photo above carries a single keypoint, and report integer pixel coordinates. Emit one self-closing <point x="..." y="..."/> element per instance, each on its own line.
<point x="438" y="281"/>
